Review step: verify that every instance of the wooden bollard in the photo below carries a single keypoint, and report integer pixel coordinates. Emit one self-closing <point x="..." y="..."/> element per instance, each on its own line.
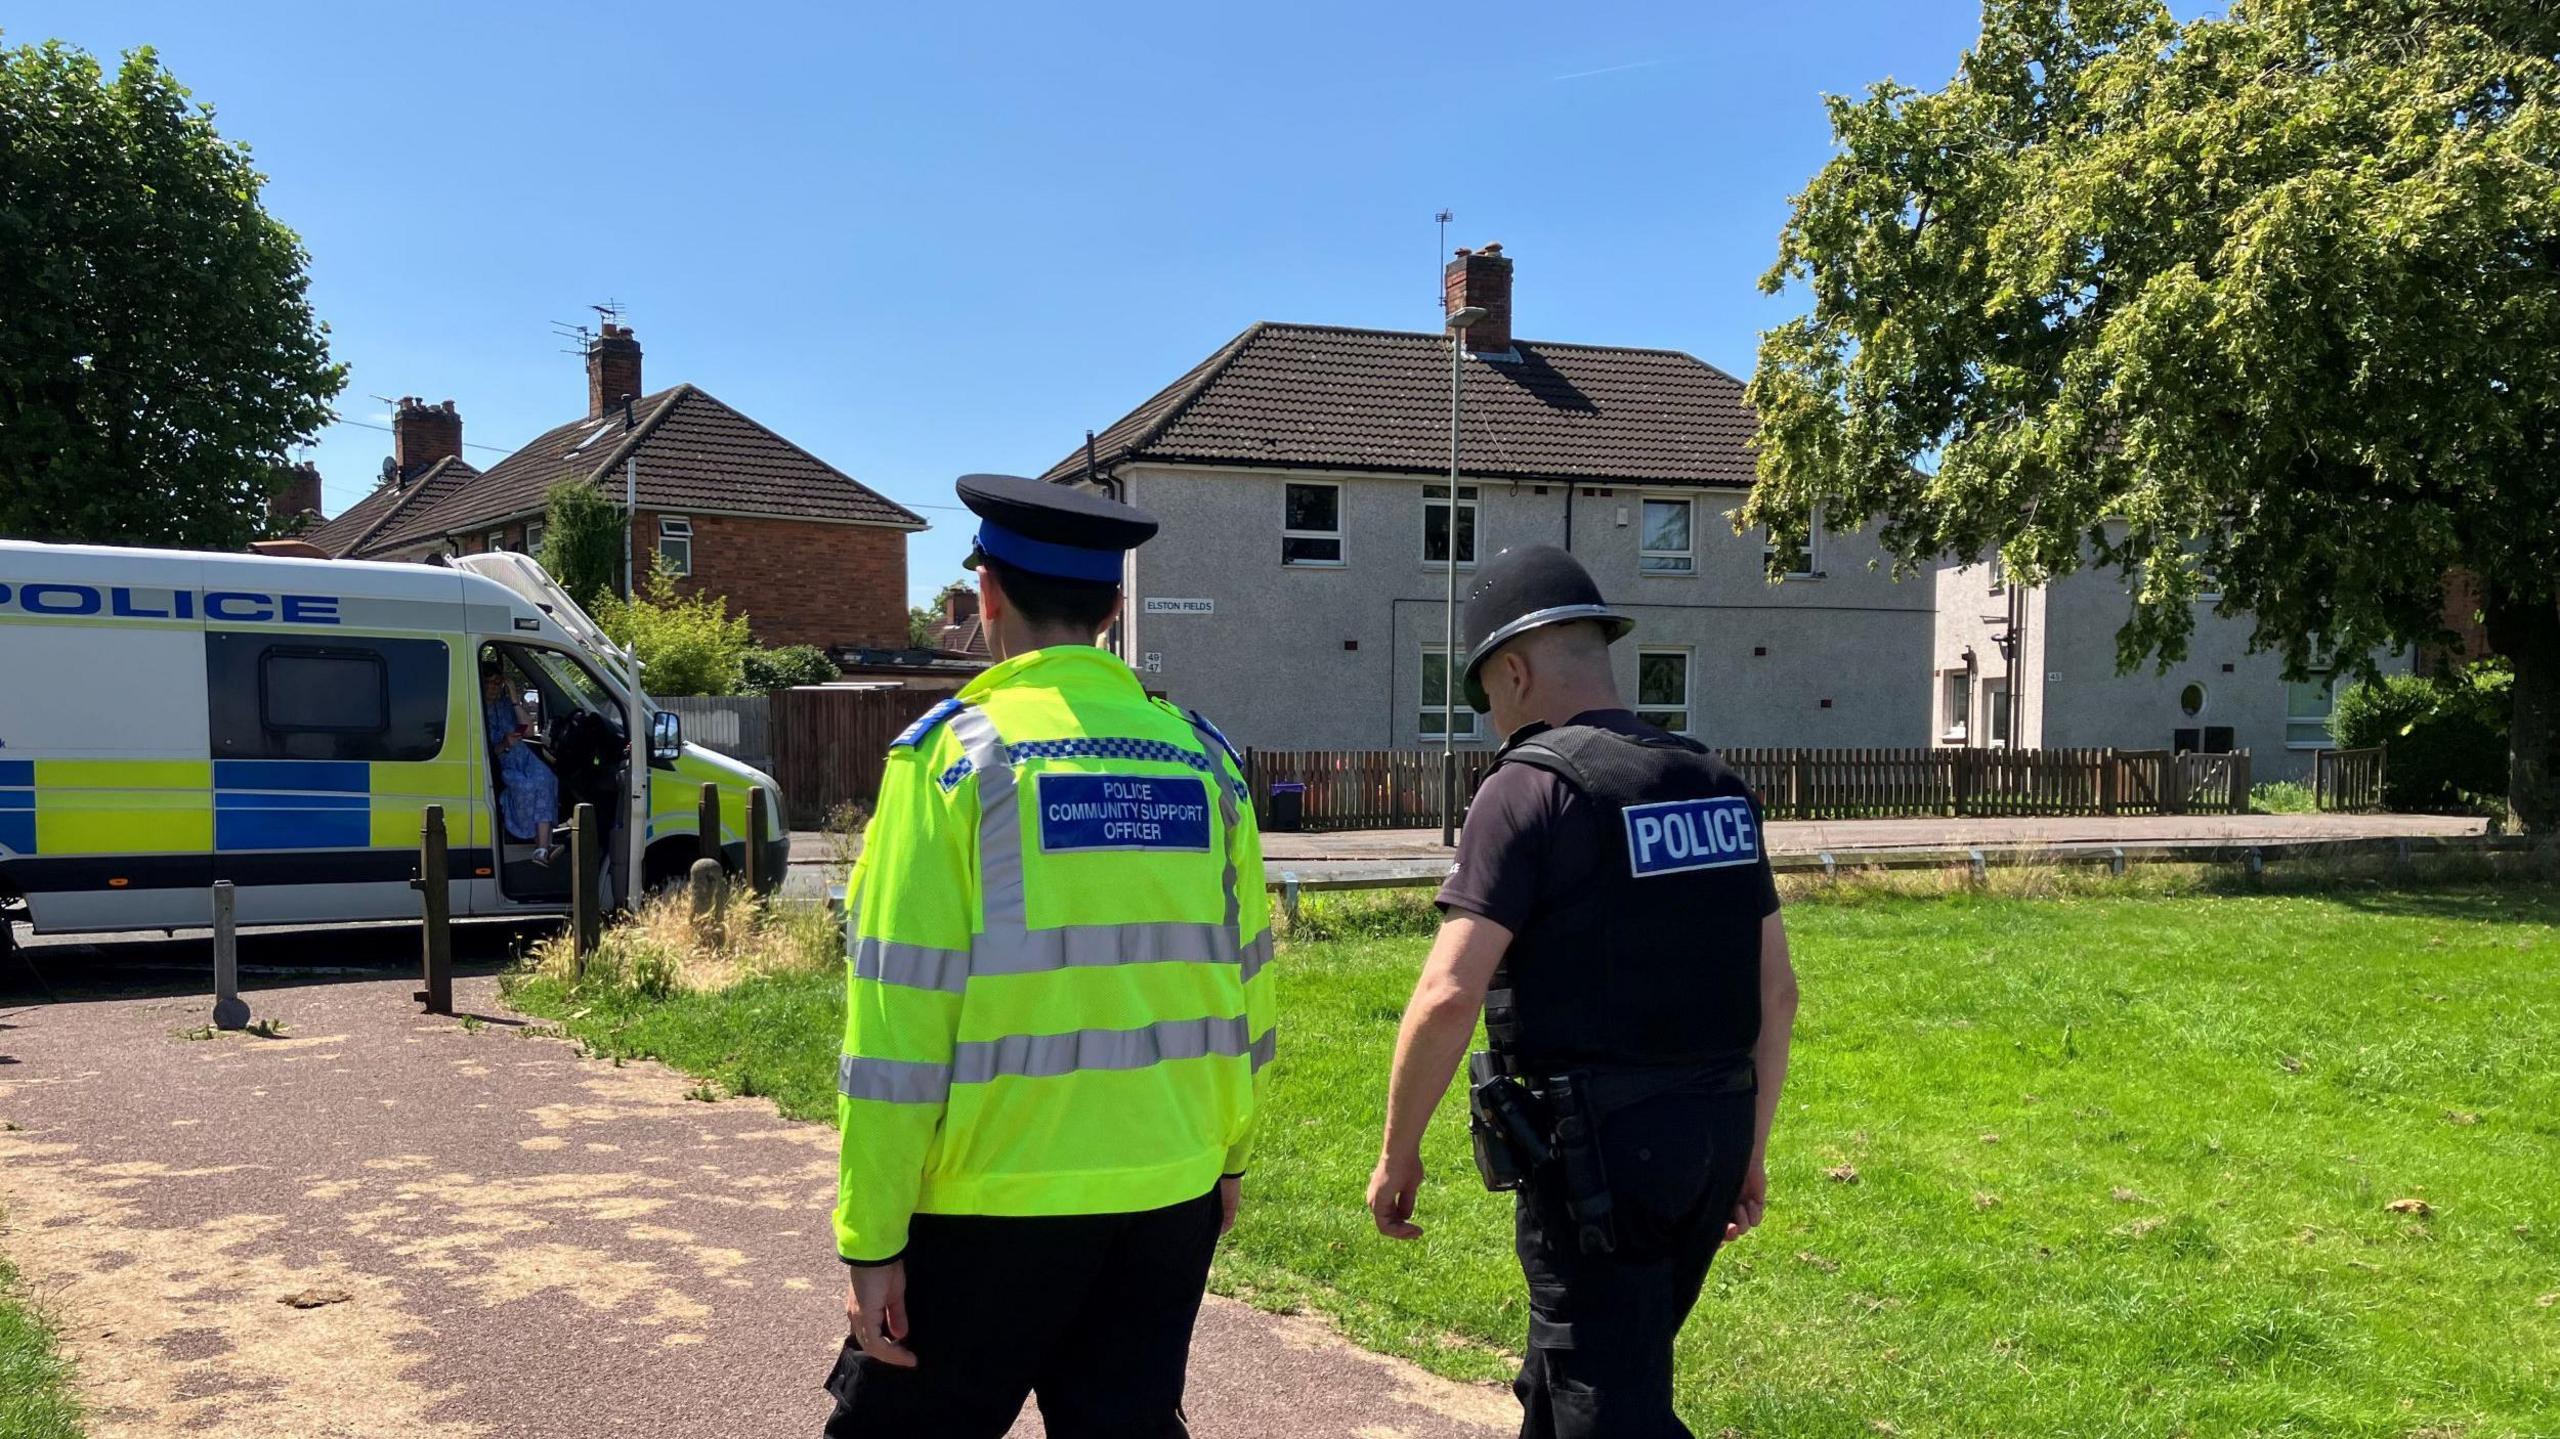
<point x="586" y="857"/>
<point x="435" y="903"/>
<point x="759" y="826"/>
<point x="706" y="819"/>
<point x="229" y="1012"/>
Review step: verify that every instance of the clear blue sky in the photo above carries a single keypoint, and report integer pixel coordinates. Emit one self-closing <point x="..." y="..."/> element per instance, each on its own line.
<point x="922" y="240"/>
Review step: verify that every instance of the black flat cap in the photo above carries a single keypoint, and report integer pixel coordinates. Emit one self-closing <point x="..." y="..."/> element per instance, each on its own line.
<point x="1525" y="589"/>
<point x="1052" y="530"/>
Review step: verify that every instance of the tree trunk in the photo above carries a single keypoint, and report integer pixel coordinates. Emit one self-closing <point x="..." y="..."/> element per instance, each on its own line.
<point x="2527" y="633"/>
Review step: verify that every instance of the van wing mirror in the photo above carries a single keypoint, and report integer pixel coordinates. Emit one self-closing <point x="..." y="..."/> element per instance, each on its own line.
<point x="666" y="736"/>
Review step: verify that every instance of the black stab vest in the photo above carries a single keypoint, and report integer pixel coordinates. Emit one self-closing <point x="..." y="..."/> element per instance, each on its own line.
<point x="1658" y="963"/>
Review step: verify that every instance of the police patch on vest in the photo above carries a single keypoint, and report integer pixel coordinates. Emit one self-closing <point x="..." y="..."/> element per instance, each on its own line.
<point x="1123" y="811"/>
<point x="1685" y="834"/>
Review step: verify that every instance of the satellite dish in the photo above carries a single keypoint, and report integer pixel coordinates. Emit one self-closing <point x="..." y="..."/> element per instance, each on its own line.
<point x="390" y="469"/>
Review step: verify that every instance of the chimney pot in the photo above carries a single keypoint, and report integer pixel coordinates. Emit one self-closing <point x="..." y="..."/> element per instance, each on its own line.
<point x="1481" y="279"/>
<point x="613" y="369"/>
<point x="422" y="434"/>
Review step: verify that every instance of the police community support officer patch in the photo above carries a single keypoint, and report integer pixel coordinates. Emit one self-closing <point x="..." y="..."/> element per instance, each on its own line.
<point x="1123" y="811"/>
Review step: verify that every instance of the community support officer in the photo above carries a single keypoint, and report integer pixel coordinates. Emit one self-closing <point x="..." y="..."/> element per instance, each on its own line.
<point x="1613" y="914"/>
<point x="1058" y="1015"/>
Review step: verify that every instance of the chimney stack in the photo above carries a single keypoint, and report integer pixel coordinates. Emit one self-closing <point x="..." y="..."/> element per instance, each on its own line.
<point x="300" y="497"/>
<point x="959" y="605"/>
<point x="613" y="369"/>
<point x="1481" y="277"/>
<point x="422" y="434"/>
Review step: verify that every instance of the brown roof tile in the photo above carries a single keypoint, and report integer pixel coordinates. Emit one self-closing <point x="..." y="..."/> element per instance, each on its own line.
<point x="692" y="452"/>
<point x="1326" y="397"/>
<point x="358" y="523"/>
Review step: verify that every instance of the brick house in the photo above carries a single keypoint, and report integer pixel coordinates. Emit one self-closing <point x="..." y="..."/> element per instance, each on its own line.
<point x="806" y="552"/>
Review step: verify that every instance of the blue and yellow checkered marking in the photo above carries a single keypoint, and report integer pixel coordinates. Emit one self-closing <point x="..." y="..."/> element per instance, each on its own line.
<point x="1150" y="750"/>
<point x="18" y="806"/>
<point x="292" y="804"/>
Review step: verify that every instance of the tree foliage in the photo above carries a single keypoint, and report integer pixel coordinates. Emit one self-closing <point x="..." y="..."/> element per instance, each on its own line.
<point x="687" y="644"/>
<point x="158" y="357"/>
<point x="582" y="542"/>
<point x="780" y="669"/>
<point x="2269" y="299"/>
<point x="2444" y="737"/>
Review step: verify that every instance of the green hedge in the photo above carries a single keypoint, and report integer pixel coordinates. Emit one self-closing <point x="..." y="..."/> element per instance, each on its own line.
<point x="2446" y="736"/>
<point x="782" y="668"/>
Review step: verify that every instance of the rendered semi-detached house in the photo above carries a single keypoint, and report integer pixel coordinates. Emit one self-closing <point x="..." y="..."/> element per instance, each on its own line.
<point x="1301" y="474"/>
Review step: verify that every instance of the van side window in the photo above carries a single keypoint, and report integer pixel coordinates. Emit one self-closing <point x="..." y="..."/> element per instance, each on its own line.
<point x="337" y="691"/>
<point x="344" y="698"/>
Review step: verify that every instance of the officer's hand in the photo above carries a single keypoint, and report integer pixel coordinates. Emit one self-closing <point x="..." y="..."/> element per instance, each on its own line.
<point x="1230" y="1199"/>
<point x="875" y="1303"/>
<point x="1753" y="1203"/>
<point x="1391" y="1193"/>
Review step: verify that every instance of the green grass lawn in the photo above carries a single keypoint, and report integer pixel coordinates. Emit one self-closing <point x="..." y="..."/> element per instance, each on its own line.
<point x="2071" y="1166"/>
<point x="34" y="1398"/>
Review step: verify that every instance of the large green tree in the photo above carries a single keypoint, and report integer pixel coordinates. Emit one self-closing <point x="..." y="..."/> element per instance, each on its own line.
<point x="158" y="359"/>
<point x="2272" y="299"/>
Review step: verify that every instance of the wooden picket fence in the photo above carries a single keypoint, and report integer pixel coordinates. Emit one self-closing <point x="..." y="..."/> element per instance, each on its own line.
<point x="1400" y="789"/>
<point x="2346" y="779"/>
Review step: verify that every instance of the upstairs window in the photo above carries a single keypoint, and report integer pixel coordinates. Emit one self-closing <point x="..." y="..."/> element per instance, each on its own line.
<point x="1778" y="565"/>
<point x="1664" y="547"/>
<point x="533" y="537"/>
<point x="1435" y="524"/>
<point x="675" y="545"/>
<point x="1311" y="523"/>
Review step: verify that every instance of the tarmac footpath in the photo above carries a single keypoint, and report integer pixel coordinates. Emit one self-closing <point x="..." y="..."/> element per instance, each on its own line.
<point x="386" y="1224"/>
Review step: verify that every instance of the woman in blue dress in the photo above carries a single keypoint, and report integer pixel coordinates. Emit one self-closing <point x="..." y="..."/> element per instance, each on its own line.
<point x="529" y="796"/>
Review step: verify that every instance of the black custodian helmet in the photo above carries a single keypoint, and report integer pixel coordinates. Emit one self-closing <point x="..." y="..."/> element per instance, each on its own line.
<point x="1522" y="590"/>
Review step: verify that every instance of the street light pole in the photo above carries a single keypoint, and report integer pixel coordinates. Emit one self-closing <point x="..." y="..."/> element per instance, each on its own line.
<point x="1449" y="664"/>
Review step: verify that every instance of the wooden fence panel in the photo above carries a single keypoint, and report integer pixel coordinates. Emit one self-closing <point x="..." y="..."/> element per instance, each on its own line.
<point x="2346" y="779"/>
<point x="831" y="744"/>
<point x="739" y="726"/>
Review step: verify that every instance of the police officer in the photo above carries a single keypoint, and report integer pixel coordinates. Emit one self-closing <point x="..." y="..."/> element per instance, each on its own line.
<point x="1058" y="1013"/>
<point x="1613" y="914"/>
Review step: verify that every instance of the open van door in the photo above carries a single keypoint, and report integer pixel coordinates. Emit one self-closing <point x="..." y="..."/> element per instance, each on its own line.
<point x="521" y="574"/>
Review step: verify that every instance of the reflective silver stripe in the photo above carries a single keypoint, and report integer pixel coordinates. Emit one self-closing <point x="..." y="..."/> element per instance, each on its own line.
<point x="1080" y="946"/>
<point x="1256" y="955"/>
<point x="1265" y="1047"/>
<point x="1047" y="1056"/>
<point x="913" y="966"/>
<point x="892" y="1081"/>
<point x="999" y="820"/>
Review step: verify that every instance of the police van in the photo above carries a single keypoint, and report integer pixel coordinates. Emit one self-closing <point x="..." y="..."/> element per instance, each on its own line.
<point x="169" y="719"/>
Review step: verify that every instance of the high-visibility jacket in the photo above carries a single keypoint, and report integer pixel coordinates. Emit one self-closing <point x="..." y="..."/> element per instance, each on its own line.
<point x="1058" y="996"/>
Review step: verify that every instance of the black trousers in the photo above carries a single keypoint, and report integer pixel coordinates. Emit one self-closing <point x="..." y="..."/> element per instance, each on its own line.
<point x="1601" y="1326"/>
<point x="1091" y="1312"/>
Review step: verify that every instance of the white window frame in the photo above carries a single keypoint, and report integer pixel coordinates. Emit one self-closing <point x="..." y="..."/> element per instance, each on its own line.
<point x="1812" y="557"/>
<point x="1687" y="707"/>
<point x="495" y="541"/>
<point x="1681" y="563"/>
<point x="1465" y="724"/>
<point x="2328" y="722"/>
<point x="1468" y="500"/>
<point x="678" y="529"/>
<point x="1999" y="575"/>
<point x="1955" y="690"/>
<point x="1341" y="542"/>
<point x="533" y="530"/>
<point x="1994" y="704"/>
